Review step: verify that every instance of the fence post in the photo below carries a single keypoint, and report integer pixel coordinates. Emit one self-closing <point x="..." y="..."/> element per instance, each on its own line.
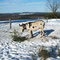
<point x="10" y="23"/>
<point x="47" y="19"/>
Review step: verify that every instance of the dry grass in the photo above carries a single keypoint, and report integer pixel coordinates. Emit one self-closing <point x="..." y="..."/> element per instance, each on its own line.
<point x="16" y="37"/>
<point x="44" y="53"/>
<point x="58" y="52"/>
<point x="54" y="37"/>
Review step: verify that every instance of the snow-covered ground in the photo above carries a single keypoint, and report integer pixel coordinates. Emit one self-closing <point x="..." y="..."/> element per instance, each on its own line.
<point x="23" y="51"/>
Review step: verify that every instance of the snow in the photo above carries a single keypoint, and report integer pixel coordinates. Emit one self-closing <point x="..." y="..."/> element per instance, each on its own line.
<point x="24" y="50"/>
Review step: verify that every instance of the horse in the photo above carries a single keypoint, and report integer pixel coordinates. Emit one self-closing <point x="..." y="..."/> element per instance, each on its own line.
<point x="33" y="26"/>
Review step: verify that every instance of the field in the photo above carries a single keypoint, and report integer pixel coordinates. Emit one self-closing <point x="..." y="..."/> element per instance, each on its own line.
<point x="28" y="50"/>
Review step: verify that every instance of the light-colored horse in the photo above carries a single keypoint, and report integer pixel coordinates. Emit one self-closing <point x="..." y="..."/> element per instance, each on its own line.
<point x="32" y="26"/>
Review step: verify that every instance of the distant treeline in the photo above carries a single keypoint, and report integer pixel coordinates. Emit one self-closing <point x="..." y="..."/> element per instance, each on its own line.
<point x="16" y="16"/>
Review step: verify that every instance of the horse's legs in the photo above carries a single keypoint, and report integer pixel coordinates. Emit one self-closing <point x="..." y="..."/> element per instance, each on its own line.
<point x="31" y="34"/>
<point x="41" y="33"/>
<point x="29" y="31"/>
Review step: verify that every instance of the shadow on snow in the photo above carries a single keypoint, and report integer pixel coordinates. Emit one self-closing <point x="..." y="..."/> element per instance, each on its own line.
<point x="47" y="32"/>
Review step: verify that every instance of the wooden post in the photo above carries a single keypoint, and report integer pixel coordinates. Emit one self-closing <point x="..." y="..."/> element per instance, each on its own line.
<point x="47" y="19"/>
<point x="10" y="23"/>
<point x="38" y="17"/>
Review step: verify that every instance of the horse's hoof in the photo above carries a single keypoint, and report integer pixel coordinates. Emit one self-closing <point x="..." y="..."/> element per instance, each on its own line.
<point x="28" y="39"/>
<point x="40" y="36"/>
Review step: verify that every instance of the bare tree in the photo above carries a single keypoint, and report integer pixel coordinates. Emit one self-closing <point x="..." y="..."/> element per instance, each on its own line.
<point x="53" y="5"/>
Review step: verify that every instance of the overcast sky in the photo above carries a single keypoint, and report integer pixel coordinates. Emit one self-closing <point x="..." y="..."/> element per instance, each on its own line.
<point x="12" y="6"/>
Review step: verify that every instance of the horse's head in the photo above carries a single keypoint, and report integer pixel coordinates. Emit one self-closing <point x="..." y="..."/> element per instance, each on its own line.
<point x="22" y="27"/>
